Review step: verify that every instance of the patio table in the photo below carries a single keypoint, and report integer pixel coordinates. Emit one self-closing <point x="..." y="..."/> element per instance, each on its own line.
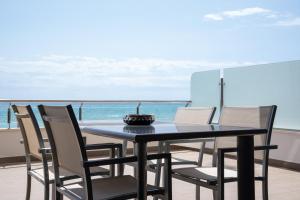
<point x="141" y="135"/>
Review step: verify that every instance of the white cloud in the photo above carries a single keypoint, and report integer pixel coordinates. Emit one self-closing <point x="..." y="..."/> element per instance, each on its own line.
<point x="215" y="17"/>
<point x="289" y="22"/>
<point x="272" y="17"/>
<point x="238" y="13"/>
<point x="246" y="12"/>
<point x="54" y="75"/>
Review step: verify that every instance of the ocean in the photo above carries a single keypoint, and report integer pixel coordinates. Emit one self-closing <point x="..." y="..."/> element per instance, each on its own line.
<point x="105" y="111"/>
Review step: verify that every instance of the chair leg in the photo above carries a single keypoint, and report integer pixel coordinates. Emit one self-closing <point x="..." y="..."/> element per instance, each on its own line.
<point x="124" y="150"/>
<point x="46" y="191"/>
<point x="167" y="178"/>
<point x="135" y="154"/>
<point x="159" y="165"/>
<point x="28" y="187"/>
<point x="201" y="153"/>
<point x="157" y="177"/>
<point x="197" y="192"/>
<point x="58" y="196"/>
<point x="220" y="193"/>
<point x="158" y="174"/>
<point x="112" y="167"/>
<point x="265" y="189"/>
<point x="53" y="191"/>
<point x="215" y="195"/>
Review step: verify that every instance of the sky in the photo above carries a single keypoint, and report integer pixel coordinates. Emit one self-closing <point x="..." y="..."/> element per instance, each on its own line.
<point x="136" y="49"/>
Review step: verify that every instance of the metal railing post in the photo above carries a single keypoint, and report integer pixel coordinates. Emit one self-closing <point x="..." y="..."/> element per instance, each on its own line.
<point x="222" y="83"/>
<point x="138" y="108"/>
<point x="80" y="111"/>
<point x="9" y="115"/>
<point x="187" y="104"/>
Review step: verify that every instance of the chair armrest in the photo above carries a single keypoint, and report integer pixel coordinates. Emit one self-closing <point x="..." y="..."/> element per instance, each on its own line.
<point x="103" y="146"/>
<point x="221" y="161"/>
<point x="45" y="150"/>
<point x="256" y="148"/>
<point x="265" y="147"/>
<point x="112" y="161"/>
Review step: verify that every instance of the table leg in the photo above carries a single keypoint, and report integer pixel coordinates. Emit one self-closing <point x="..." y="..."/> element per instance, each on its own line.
<point x="159" y="165"/>
<point x="141" y="170"/>
<point x="245" y="164"/>
<point x="135" y="154"/>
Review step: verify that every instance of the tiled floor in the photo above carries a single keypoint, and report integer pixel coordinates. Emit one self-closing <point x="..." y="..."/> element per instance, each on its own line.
<point x="284" y="184"/>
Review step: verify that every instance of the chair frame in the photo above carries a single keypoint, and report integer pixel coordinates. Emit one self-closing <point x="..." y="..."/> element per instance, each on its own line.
<point x="221" y="166"/>
<point x="218" y="187"/>
<point x="165" y="147"/>
<point x="86" y="164"/>
<point x="46" y="153"/>
<point x="202" y="146"/>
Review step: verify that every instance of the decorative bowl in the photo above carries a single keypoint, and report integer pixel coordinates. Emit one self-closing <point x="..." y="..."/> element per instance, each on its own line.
<point x="141" y="120"/>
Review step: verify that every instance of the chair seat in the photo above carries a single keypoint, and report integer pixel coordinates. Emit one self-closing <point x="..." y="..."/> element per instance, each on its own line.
<point x="175" y="162"/>
<point x="207" y="174"/>
<point x="39" y="173"/>
<point x="152" y="164"/>
<point x="121" y="187"/>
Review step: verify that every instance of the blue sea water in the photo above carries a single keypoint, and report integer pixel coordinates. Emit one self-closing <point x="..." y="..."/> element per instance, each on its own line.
<point x="105" y="111"/>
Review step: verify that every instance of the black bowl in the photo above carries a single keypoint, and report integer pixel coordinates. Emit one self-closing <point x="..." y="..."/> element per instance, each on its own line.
<point x="141" y="120"/>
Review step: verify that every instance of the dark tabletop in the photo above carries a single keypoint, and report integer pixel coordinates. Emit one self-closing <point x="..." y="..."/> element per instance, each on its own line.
<point x="168" y="131"/>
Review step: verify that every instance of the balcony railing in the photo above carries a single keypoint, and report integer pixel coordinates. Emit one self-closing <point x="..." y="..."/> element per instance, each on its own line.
<point x="80" y="105"/>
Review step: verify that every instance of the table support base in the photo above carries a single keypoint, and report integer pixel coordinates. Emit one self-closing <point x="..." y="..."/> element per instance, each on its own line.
<point x="245" y="164"/>
<point x="141" y="170"/>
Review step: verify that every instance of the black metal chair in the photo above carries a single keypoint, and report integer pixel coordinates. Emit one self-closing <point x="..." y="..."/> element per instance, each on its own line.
<point x="69" y="153"/>
<point x="216" y="176"/>
<point x="190" y="116"/>
<point x="184" y="115"/>
<point x="35" y="147"/>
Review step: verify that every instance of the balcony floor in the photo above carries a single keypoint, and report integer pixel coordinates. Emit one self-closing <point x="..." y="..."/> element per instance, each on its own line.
<point x="284" y="184"/>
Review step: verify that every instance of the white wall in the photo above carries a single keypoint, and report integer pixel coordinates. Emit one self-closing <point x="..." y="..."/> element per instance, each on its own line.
<point x="10" y="143"/>
<point x="205" y="89"/>
<point x="268" y="84"/>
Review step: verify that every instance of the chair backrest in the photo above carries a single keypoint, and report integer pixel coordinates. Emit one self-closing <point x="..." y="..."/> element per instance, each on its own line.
<point x="194" y="115"/>
<point x="254" y="117"/>
<point x="32" y="136"/>
<point x="65" y="138"/>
